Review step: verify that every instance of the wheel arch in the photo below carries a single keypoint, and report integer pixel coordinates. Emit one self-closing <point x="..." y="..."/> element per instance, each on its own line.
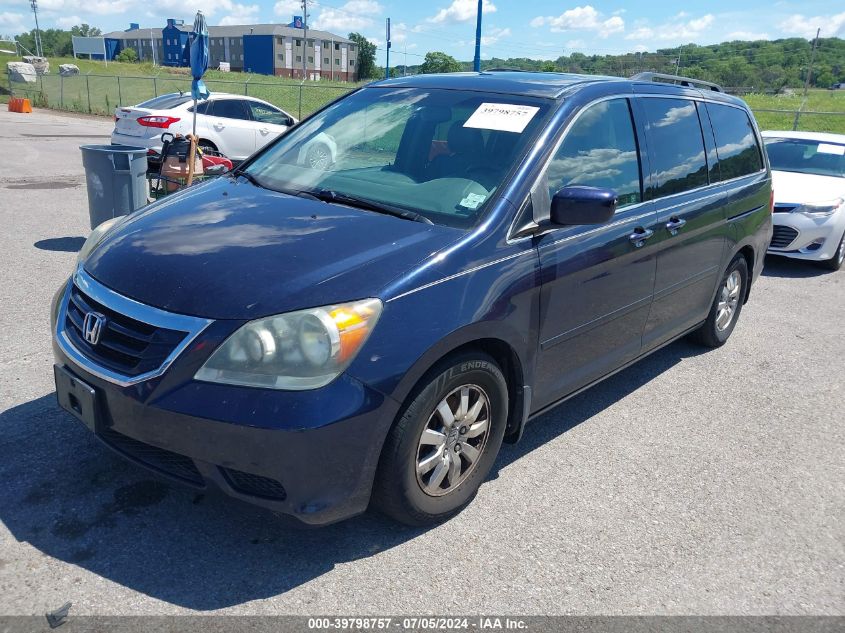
<point x="500" y="350"/>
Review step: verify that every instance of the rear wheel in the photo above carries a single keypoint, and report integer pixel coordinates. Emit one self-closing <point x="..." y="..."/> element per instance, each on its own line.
<point x="445" y="442"/>
<point x="835" y="262"/>
<point x="727" y="305"/>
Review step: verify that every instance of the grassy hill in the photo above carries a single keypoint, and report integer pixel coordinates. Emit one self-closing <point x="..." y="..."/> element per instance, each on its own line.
<point x="99" y="85"/>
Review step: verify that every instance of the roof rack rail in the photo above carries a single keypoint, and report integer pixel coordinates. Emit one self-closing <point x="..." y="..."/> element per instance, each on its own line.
<point x="677" y="79"/>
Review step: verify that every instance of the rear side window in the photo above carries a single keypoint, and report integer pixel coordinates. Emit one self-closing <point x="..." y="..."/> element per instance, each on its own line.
<point x="230" y="109"/>
<point x="676" y="146"/>
<point x="600" y="150"/>
<point x="736" y="143"/>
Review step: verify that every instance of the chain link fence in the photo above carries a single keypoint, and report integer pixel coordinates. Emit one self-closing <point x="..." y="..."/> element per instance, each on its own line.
<point x="101" y="94"/>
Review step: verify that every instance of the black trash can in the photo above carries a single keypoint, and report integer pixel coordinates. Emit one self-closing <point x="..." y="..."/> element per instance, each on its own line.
<point x="116" y="176"/>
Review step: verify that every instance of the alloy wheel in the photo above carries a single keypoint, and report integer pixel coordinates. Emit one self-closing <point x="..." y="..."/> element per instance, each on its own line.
<point x="453" y="440"/>
<point x="728" y="300"/>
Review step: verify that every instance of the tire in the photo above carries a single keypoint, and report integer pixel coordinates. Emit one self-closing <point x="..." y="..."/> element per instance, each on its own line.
<point x="716" y="330"/>
<point x="414" y="483"/>
<point x="835" y="262"/>
<point x="318" y="156"/>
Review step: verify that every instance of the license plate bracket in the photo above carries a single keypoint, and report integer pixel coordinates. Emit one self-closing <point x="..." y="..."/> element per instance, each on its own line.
<point x="76" y="397"/>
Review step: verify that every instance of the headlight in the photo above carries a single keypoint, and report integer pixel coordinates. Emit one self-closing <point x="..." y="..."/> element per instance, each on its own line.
<point x="297" y="350"/>
<point x="96" y="236"/>
<point x="819" y="209"/>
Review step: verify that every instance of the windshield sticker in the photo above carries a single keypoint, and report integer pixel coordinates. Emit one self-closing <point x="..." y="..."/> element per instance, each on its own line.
<point x="472" y="201"/>
<point x="827" y="148"/>
<point x="502" y="117"/>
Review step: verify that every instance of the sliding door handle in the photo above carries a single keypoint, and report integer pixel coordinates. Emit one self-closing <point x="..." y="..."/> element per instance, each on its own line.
<point x="639" y="236"/>
<point x="675" y="224"/>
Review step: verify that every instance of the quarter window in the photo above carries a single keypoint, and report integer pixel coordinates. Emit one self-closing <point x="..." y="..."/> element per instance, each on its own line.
<point x="676" y="146"/>
<point x="600" y="150"/>
<point x="736" y="143"/>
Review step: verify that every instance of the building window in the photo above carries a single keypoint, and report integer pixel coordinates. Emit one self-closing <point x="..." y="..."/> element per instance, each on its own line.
<point x="231" y="41"/>
<point x="280" y="40"/>
<point x="351" y="63"/>
<point x="325" y="44"/>
<point x="337" y="47"/>
<point x="281" y="56"/>
<point x="337" y="62"/>
<point x="310" y="59"/>
<point x="351" y="48"/>
<point x="326" y="61"/>
<point x="298" y="42"/>
<point x="299" y="58"/>
<point x="242" y="56"/>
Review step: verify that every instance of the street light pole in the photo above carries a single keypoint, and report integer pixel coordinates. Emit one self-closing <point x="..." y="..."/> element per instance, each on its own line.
<point x="477" y="63"/>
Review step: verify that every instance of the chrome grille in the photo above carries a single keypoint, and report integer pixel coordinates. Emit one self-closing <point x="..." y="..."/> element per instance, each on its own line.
<point x="126" y="345"/>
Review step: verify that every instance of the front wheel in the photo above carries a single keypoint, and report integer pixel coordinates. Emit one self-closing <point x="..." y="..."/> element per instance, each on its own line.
<point x="445" y="442"/>
<point x="727" y="305"/>
<point x="835" y="262"/>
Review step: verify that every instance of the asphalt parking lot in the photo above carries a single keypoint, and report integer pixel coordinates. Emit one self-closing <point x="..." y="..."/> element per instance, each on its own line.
<point x="692" y="483"/>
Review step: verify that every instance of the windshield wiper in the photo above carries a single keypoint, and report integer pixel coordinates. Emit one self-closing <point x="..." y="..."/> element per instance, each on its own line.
<point x="249" y="177"/>
<point x="329" y="195"/>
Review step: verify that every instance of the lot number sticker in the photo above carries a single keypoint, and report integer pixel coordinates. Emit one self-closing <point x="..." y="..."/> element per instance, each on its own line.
<point x="502" y="117"/>
<point x="827" y="148"/>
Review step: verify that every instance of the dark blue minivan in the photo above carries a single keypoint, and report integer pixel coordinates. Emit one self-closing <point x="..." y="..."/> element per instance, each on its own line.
<point x="365" y="309"/>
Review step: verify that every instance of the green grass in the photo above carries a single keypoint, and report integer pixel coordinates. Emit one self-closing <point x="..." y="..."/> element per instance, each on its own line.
<point x="817" y="101"/>
<point x="97" y="91"/>
<point x="102" y="87"/>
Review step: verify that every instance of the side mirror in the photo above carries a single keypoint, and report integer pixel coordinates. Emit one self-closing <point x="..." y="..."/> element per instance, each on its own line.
<point x="583" y="205"/>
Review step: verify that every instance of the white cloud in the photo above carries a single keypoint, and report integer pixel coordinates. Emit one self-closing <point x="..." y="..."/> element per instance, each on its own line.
<point x="287" y="8"/>
<point x="831" y="25"/>
<point x="677" y="28"/>
<point x="91" y="7"/>
<point x="462" y="11"/>
<point x="748" y="35"/>
<point x="355" y="15"/>
<point x="585" y="18"/>
<point x="240" y="14"/>
<point x="68" y="21"/>
<point x="493" y="35"/>
<point x="12" y="23"/>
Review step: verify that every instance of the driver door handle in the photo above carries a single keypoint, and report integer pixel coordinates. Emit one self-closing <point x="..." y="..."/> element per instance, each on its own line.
<point x="263" y="130"/>
<point x="639" y="236"/>
<point x="675" y="224"/>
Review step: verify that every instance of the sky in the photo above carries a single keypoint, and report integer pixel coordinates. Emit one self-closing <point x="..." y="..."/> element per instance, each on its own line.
<point x="541" y="29"/>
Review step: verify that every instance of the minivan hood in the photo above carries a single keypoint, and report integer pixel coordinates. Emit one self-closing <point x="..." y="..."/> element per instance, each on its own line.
<point x="231" y="250"/>
<point x="793" y="188"/>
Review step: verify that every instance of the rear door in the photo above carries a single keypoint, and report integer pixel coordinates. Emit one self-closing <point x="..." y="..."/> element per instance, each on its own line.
<point x="691" y="230"/>
<point x="597" y="280"/>
<point x="231" y="128"/>
<point x="270" y="122"/>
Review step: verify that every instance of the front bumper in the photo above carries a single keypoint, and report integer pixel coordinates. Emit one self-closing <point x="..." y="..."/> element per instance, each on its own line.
<point x="308" y="454"/>
<point x="805" y="237"/>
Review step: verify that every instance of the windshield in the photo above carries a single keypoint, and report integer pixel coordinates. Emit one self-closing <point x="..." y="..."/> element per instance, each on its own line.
<point x="165" y="102"/>
<point x="804" y="156"/>
<point x="438" y="153"/>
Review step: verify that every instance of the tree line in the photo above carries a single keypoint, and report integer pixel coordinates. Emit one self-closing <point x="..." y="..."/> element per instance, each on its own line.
<point x="760" y="65"/>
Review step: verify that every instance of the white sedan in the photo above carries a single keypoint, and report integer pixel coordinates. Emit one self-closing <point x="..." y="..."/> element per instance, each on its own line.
<point x="234" y="125"/>
<point x="808" y="174"/>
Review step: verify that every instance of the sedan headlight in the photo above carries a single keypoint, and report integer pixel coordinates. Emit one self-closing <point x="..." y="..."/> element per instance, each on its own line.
<point x="297" y="350"/>
<point x="820" y="209"/>
<point x="96" y="237"/>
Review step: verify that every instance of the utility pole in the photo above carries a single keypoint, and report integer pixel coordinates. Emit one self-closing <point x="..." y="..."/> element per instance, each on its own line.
<point x="305" y="40"/>
<point x="387" y="37"/>
<point x="807" y="81"/>
<point x="477" y="62"/>
<point x="812" y="59"/>
<point x="38" y="49"/>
